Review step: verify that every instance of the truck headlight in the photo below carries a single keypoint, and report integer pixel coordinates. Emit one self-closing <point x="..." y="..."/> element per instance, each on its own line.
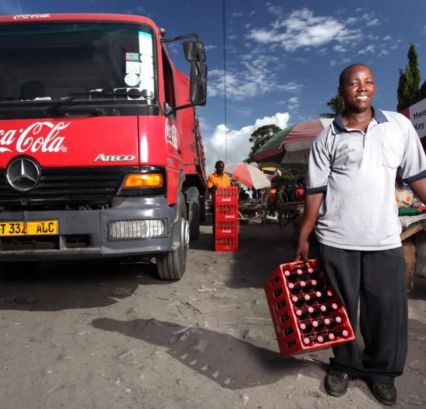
<point x="137" y="229"/>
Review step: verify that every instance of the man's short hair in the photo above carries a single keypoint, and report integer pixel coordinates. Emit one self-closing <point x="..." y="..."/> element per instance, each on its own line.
<point x="342" y="75"/>
<point x="219" y="162"/>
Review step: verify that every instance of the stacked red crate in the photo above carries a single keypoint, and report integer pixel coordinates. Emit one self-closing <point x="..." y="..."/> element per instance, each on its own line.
<point x="306" y="313"/>
<point x="226" y="219"/>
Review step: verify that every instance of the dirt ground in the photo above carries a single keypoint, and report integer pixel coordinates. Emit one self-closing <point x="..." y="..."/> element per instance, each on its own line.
<point x="110" y="335"/>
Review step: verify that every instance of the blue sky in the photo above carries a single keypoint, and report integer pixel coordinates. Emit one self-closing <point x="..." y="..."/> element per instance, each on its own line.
<point x="282" y="57"/>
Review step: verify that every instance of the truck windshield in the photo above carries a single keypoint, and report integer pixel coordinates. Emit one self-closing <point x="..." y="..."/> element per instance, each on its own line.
<point x="53" y="61"/>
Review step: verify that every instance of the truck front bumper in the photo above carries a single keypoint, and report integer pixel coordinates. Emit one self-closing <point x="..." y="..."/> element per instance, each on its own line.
<point x="133" y="227"/>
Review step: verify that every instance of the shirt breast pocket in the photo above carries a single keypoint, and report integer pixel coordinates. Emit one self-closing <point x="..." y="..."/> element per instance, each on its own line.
<point x="392" y="150"/>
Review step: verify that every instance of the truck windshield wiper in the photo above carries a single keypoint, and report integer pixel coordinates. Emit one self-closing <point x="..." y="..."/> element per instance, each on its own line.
<point x="116" y="94"/>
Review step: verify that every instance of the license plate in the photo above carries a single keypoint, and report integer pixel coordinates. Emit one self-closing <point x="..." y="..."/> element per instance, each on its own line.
<point x="32" y="228"/>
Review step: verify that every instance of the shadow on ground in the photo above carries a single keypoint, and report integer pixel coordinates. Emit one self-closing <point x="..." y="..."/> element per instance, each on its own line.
<point x="230" y="362"/>
<point x="57" y="286"/>
<point x="262" y="248"/>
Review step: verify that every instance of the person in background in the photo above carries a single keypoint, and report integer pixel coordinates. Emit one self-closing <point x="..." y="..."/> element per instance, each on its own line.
<point x="350" y="201"/>
<point x="272" y="201"/>
<point x="218" y="178"/>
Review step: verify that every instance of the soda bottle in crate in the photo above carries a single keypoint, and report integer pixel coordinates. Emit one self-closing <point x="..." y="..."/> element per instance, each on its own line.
<point x="226" y="195"/>
<point x="306" y="313"/>
<point x="226" y="243"/>
<point x="226" y="211"/>
<point x="226" y="227"/>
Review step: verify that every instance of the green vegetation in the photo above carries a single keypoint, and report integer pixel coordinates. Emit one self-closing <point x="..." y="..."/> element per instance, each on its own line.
<point x="409" y="90"/>
<point x="259" y="137"/>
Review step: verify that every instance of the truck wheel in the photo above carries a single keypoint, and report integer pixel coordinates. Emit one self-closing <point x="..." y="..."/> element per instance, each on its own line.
<point x="171" y="265"/>
<point x="193" y="200"/>
<point x="194" y="220"/>
<point x="202" y="209"/>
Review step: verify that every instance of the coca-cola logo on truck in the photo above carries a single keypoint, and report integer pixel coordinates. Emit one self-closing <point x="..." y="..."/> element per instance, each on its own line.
<point x="41" y="136"/>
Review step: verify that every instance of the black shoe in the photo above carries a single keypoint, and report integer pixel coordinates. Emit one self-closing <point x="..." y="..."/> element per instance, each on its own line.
<point x="336" y="382"/>
<point x="385" y="393"/>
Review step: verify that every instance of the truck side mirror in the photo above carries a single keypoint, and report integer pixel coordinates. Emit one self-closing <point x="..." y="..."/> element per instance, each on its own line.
<point x="198" y="83"/>
<point x="194" y="51"/>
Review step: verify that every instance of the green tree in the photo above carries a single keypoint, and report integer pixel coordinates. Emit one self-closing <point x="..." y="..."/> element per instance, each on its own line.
<point x="409" y="80"/>
<point x="336" y="105"/>
<point x="422" y="92"/>
<point x="259" y="137"/>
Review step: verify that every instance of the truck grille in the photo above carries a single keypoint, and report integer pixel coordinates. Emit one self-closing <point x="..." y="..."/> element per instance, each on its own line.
<point x="69" y="188"/>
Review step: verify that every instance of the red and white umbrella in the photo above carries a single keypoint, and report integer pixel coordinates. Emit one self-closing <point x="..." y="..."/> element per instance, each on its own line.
<point x="248" y="175"/>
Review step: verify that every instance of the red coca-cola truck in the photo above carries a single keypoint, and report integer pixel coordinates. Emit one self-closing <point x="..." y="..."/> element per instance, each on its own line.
<point x="100" y="148"/>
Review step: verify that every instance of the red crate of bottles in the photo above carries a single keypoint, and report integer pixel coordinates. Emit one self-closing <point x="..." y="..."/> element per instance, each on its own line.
<point x="226" y="227"/>
<point x="226" y="212"/>
<point x="226" y="219"/>
<point x="306" y="313"/>
<point x="225" y="243"/>
<point x="226" y="195"/>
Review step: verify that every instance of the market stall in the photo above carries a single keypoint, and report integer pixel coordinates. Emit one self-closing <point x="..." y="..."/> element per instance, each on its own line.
<point x="412" y="238"/>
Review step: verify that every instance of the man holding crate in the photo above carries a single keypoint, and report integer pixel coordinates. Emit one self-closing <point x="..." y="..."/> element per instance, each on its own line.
<point x="350" y="201"/>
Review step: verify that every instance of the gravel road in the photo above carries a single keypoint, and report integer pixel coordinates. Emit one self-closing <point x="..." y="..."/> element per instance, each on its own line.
<point x="110" y="335"/>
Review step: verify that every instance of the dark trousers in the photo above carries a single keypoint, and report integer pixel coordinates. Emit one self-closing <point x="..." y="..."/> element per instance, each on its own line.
<point x="377" y="280"/>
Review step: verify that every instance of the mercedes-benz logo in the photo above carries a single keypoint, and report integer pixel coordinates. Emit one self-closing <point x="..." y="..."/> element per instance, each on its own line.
<point x="23" y="174"/>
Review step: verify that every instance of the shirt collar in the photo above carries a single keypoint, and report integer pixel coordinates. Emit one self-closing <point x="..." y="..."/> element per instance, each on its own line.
<point x="339" y="127"/>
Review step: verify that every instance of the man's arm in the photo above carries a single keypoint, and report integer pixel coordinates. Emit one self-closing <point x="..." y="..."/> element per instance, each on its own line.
<point x="210" y="183"/>
<point x="312" y="205"/>
<point x="419" y="188"/>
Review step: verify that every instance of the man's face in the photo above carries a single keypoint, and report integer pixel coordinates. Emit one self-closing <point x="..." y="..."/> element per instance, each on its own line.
<point x="358" y="89"/>
<point x="219" y="168"/>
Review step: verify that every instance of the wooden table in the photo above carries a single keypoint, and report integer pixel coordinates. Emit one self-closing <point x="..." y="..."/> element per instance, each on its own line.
<point x="249" y="209"/>
<point x="407" y="236"/>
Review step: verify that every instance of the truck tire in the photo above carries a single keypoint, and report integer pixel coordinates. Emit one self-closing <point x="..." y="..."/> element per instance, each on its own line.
<point x="172" y="265"/>
<point x="194" y="220"/>
<point x="202" y="209"/>
<point x="193" y="199"/>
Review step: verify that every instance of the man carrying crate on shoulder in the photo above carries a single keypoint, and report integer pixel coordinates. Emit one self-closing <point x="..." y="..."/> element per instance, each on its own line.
<point x="350" y="200"/>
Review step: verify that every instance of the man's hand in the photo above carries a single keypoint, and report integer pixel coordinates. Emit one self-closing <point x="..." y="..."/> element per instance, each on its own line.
<point x="302" y="251"/>
<point x="312" y="205"/>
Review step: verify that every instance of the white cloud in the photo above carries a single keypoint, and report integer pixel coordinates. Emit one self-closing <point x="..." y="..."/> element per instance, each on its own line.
<point x="370" y="49"/>
<point x="339" y="48"/>
<point x="293" y="102"/>
<point x="274" y="9"/>
<point x="257" y="76"/>
<point x="263" y="36"/>
<point x="301" y="29"/>
<point x="292" y="86"/>
<point x="210" y="47"/>
<point x="236" y="141"/>
<point x="373" y="22"/>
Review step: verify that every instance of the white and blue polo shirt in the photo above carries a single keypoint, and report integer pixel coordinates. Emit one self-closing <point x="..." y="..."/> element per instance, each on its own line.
<point x="357" y="172"/>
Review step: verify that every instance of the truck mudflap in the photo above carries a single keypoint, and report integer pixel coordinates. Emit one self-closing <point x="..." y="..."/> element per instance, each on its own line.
<point x="134" y="227"/>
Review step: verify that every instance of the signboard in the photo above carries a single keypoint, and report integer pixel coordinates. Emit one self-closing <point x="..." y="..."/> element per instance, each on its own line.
<point x="418" y="117"/>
